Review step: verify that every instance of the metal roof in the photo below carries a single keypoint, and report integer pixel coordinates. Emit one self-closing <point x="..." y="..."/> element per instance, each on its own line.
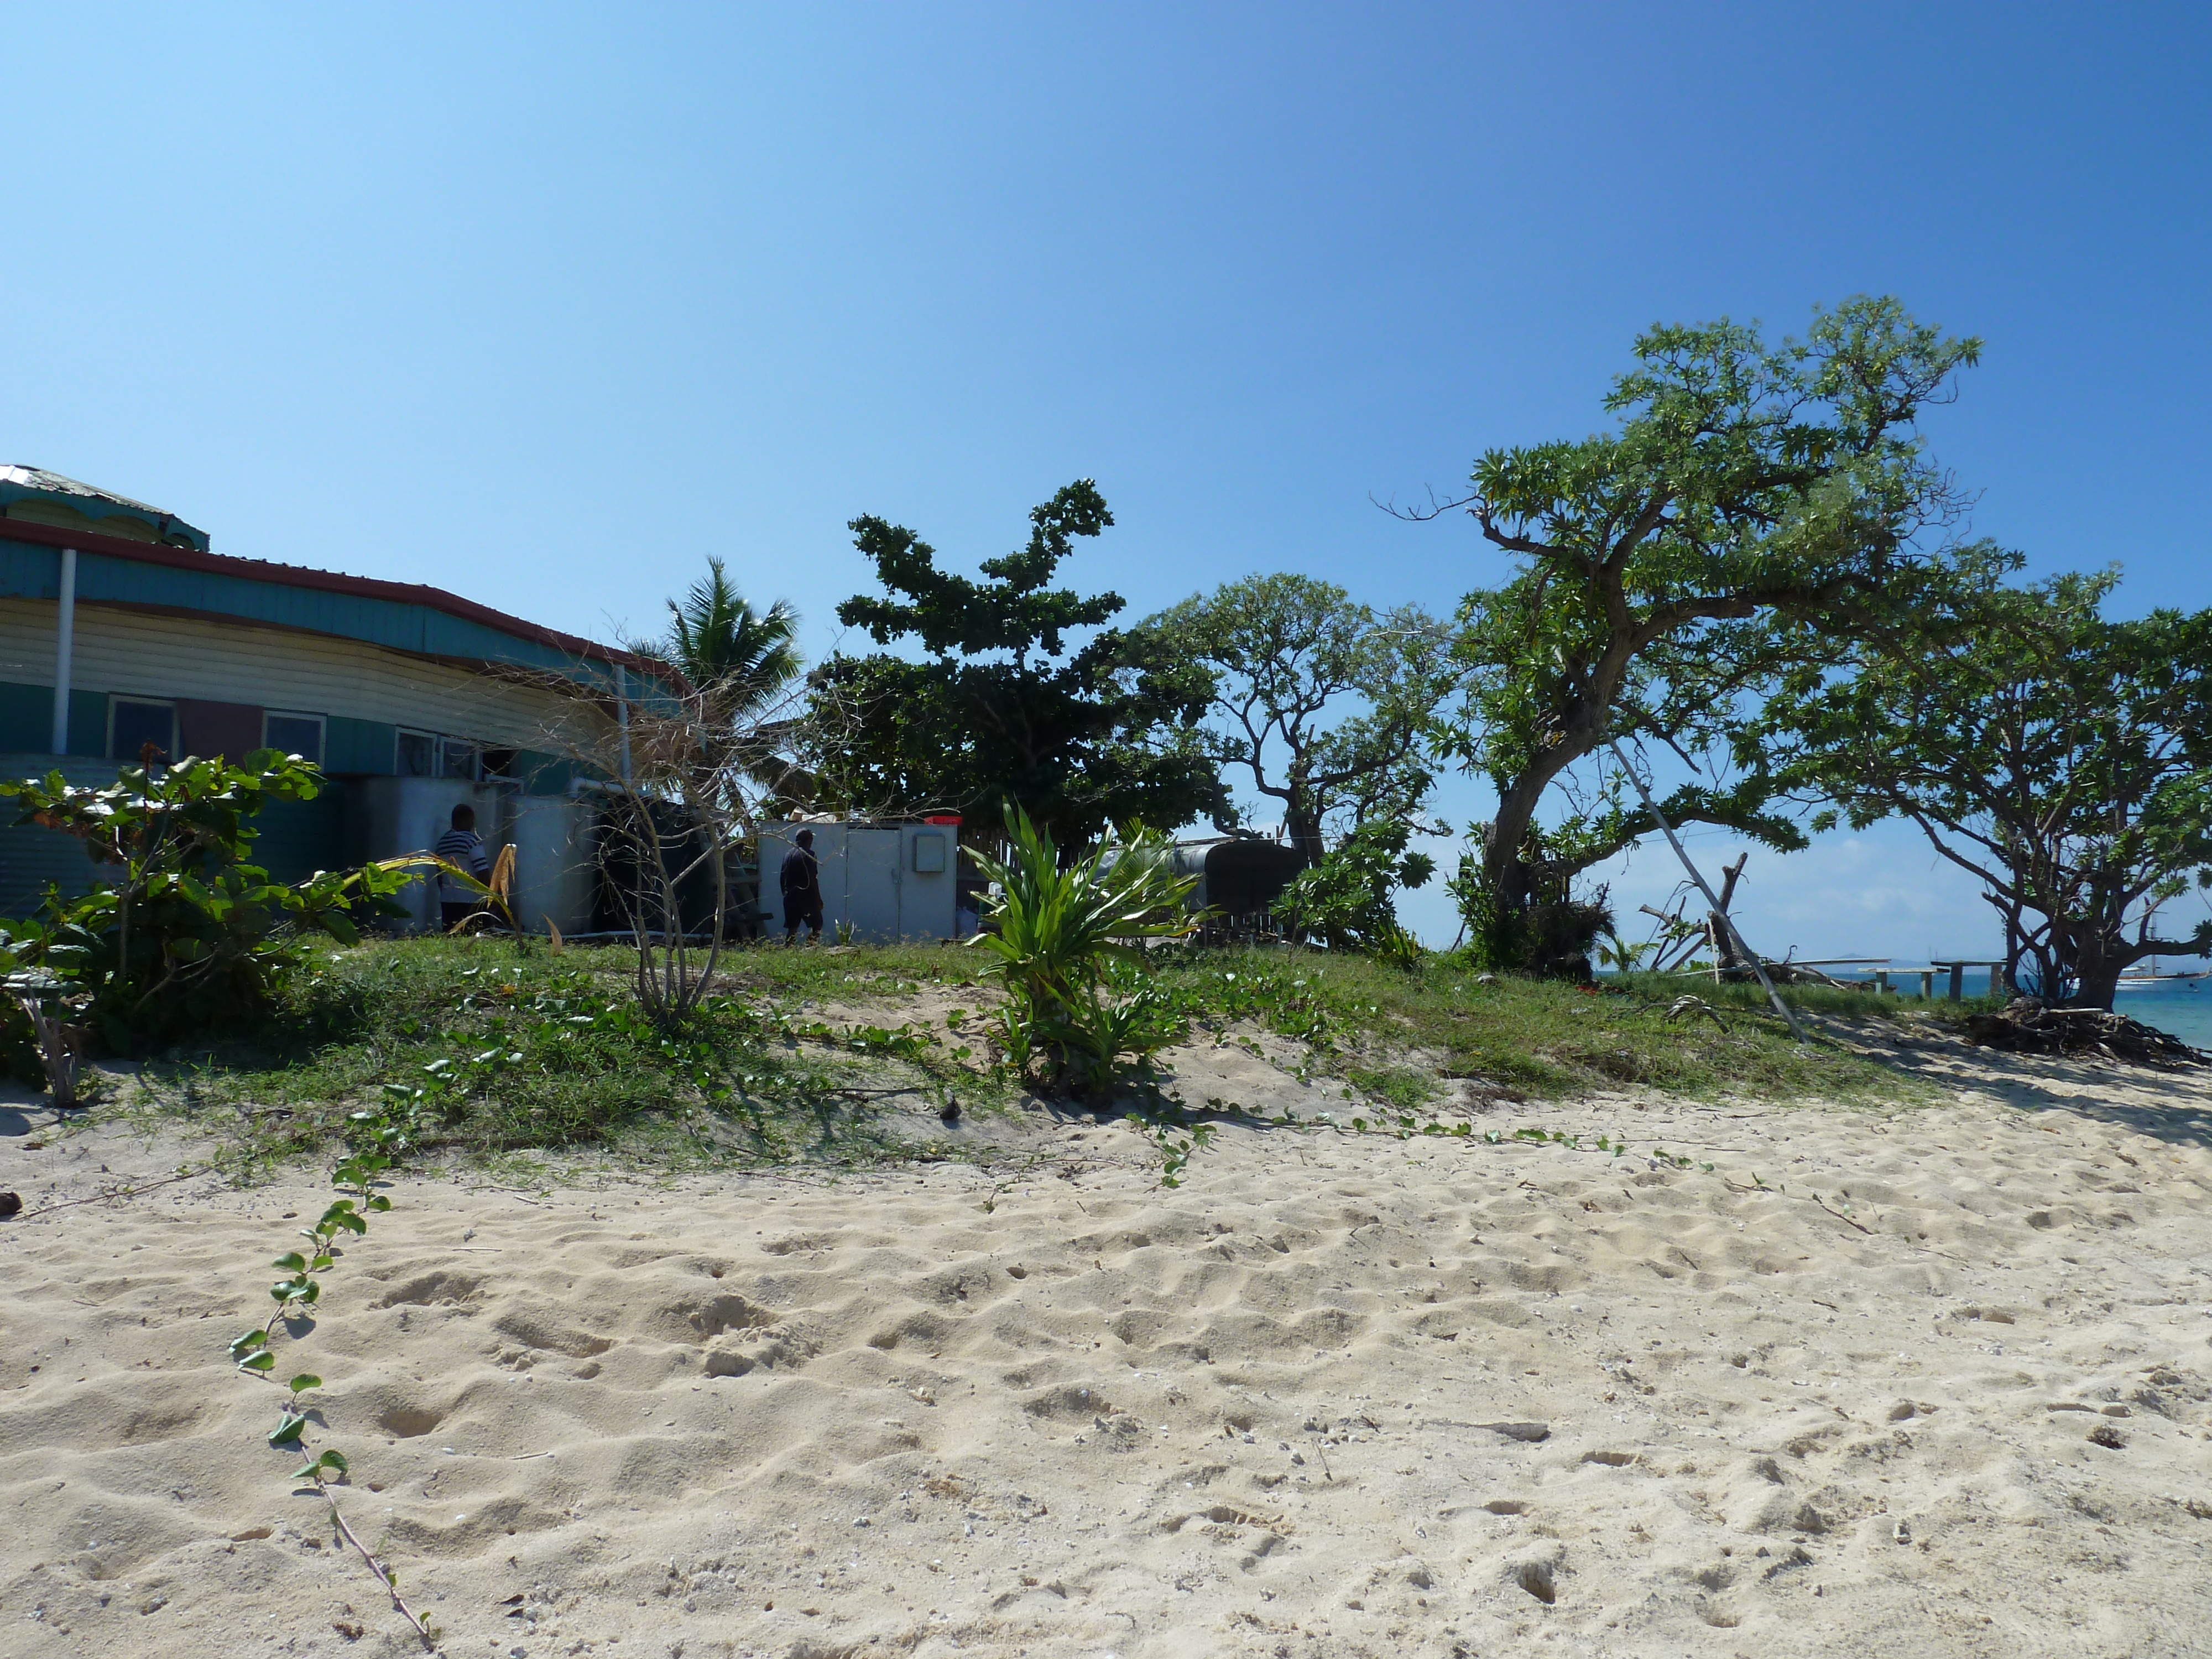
<point x="17" y="482"/>
<point x="403" y="616"/>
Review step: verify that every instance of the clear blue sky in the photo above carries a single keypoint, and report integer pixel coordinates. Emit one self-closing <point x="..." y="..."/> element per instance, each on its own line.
<point x="545" y="304"/>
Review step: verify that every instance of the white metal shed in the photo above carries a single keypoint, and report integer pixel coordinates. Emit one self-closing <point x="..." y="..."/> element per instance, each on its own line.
<point x="884" y="879"/>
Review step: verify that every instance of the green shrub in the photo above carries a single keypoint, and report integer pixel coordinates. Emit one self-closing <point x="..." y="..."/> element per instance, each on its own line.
<point x="1345" y="901"/>
<point x="1080" y="1001"/>
<point x="181" y="933"/>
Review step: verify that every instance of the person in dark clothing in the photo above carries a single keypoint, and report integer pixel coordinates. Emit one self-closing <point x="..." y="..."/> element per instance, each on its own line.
<point x="463" y="847"/>
<point x="802" y="888"/>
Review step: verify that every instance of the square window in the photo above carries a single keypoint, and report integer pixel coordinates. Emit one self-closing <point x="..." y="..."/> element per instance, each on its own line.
<point x="134" y="723"/>
<point x="458" y="759"/>
<point x="417" y="757"/>
<point x="293" y="734"/>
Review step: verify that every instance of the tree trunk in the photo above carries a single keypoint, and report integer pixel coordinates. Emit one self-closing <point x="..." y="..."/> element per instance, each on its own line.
<point x="1303" y="830"/>
<point x="2100" y="979"/>
<point x="1504" y="872"/>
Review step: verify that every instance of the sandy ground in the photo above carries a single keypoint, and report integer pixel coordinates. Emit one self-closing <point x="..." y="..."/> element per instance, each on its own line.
<point x="1940" y="1388"/>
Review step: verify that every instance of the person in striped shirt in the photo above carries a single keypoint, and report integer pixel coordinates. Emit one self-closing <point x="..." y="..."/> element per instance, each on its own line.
<point x="463" y="846"/>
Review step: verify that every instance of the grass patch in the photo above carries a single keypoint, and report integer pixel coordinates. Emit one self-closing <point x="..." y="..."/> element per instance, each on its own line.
<point x="1809" y="999"/>
<point x="516" y="1059"/>
<point x="1532" y="1037"/>
<point x="506" y="1049"/>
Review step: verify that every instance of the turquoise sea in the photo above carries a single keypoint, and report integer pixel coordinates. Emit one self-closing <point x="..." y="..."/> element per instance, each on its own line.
<point x="2183" y="1006"/>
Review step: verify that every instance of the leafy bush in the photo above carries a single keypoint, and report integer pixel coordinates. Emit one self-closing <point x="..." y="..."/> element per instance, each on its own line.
<point x="1552" y="936"/>
<point x="1080" y="1001"/>
<point x="180" y="934"/>
<point x="1345" y="901"/>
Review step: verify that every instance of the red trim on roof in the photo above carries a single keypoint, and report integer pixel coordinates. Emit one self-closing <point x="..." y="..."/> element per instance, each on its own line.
<point x="329" y="581"/>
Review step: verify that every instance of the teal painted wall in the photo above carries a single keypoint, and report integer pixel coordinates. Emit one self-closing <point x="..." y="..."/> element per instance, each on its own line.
<point x="27" y="720"/>
<point x="27" y="717"/>
<point x="299" y="837"/>
<point x="543" y="774"/>
<point x="88" y="723"/>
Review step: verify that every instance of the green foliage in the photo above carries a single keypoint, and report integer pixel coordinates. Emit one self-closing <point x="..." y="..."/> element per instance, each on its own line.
<point x="377" y="1138"/>
<point x="181" y="933"/>
<point x="1108" y="735"/>
<point x="742" y="664"/>
<point x="1081" y="1003"/>
<point x="2064" y="759"/>
<point x="1745" y="481"/>
<point x="1327" y="706"/>
<point x="1622" y="957"/>
<point x="1346" y="900"/>
<point x="1551" y="933"/>
<point x="737" y="657"/>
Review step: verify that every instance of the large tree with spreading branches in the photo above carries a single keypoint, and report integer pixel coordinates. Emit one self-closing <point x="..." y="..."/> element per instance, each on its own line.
<point x="2064" y="759"/>
<point x="1744" y="481"/>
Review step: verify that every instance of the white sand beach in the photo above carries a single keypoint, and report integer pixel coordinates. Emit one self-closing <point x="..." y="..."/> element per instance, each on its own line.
<point x="1335" y="1394"/>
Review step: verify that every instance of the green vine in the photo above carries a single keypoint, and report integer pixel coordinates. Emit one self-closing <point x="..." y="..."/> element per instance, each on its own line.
<point x="378" y="1141"/>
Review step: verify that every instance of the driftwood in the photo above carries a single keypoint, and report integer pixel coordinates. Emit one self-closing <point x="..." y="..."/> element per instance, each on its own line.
<point x="2028" y="1027"/>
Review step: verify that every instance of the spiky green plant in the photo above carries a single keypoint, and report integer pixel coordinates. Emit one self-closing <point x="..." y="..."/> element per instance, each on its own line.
<point x="1068" y="947"/>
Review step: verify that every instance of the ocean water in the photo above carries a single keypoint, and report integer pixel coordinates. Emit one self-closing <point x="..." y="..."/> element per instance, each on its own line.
<point x="2183" y="1006"/>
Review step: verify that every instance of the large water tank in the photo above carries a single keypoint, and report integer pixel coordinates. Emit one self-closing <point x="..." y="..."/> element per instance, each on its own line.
<point x="1239" y="876"/>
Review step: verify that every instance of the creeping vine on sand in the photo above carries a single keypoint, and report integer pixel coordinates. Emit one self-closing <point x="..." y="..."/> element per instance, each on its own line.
<point x="379" y="1138"/>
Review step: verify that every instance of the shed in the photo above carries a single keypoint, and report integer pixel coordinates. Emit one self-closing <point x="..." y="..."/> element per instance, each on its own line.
<point x="884" y="879"/>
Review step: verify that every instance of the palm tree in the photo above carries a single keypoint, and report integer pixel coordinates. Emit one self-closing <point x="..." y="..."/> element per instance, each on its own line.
<point x="738" y="659"/>
<point x="740" y="662"/>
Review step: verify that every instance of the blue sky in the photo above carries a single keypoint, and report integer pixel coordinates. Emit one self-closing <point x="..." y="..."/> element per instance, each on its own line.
<point x="545" y="305"/>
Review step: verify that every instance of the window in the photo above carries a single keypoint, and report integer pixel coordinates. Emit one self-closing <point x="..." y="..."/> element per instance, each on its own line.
<point x="295" y="734"/>
<point x="418" y="756"/>
<point x="457" y="758"/>
<point x="134" y="723"/>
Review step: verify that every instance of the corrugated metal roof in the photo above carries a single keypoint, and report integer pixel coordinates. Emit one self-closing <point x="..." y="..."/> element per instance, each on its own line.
<point x="17" y="482"/>
<point x="400" y="616"/>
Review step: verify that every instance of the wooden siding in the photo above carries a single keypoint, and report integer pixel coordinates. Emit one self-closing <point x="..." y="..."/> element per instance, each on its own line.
<point x="133" y="654"/>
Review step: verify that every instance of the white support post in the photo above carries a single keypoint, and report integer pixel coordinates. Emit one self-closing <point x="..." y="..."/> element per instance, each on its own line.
<point x="621" y="715"/>
<point x="64" y="651"/>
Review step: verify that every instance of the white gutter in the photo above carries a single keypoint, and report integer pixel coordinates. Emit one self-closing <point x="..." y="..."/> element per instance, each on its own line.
<point x="64" y="651"/>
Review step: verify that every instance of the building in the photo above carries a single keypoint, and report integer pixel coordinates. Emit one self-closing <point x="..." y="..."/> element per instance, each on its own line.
<point x="120" y="628"/>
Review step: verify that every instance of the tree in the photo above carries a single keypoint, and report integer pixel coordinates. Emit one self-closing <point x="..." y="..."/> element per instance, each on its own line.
<point x="1346" y="900"/>
<point x="2065" y="759"/>
<point x="1325" y="705"/>
<point x="1745" y="481"/>
<point x="1002" y="709"/>
<point x="739" y="662"/>
<point x="738" y="657"/>
<point x="677" y="792"/>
